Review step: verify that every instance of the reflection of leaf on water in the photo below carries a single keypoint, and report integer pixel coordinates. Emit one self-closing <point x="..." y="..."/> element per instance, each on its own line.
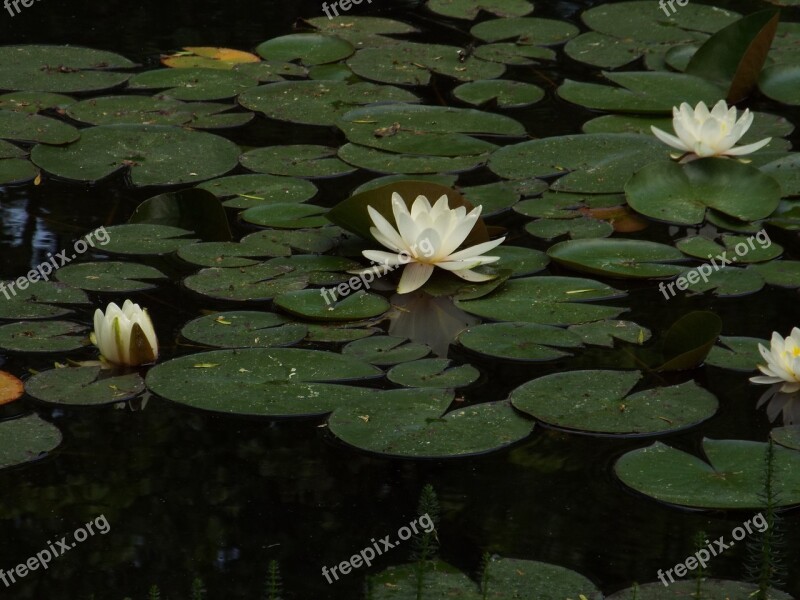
<point x="425" y="319"/>
<point x="781" y="404"/>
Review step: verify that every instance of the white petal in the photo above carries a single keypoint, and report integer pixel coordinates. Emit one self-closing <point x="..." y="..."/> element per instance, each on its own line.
<point x="669" y="139"/>
<point x="473" y="275"/>
<point x="386" y="258"/>
<point x="419" y="207"/>
<point x="476" y="250"/>
<point x="414" y="277"/>
<point x="740" y="150"/>
<point x="388" y="232"/>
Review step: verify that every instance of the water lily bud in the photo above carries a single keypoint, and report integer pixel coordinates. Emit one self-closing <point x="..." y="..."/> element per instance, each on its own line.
<point x="125" y="336"/>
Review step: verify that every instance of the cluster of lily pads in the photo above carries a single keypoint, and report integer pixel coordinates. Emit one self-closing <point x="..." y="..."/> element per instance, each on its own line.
<point x="272" y="346"/>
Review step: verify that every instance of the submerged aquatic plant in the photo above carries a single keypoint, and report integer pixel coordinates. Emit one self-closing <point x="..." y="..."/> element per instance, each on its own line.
<point x="702" y="133"/>
<point x="783" y="362"/>
<point x="427" y="237"/>
<point x="125" y="336"/>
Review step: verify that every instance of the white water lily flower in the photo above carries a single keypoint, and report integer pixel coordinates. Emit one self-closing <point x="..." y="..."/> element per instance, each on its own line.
<point x="783" y="362"/>
<point x="713" y="133"/>
<point x="125" y="336"/>
<point x="427" y="237"/>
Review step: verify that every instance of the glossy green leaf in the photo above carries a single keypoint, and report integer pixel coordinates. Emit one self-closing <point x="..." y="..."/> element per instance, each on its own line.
<point x="312" y="304"/>
<point x="26" y="439"/>
<point x="84" y="386"/>
<point x="432" y="373"/>
<point x="519" y="341"/>
<point x="24" y="127"/>
<point x="146" y="239"/>
<point x="194" y="84"/>
<point x="502" y="93"/>
<point x="622" y="258"/>
<point x="244" y="329"/>
<point x="110" y="276"/>
<point x="296" y="161"/>
<point x="42" y="336"/>
<point x="307" y="48"/>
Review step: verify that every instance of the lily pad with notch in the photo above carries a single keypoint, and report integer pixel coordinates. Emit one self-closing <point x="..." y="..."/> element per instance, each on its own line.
<point x="39" y="300"/>
<point x="622" y="258"/>
<point x="141" y="239"/>
<point x="525" y="30"/>
<point x="433" y="373"/>
<point x="386" y="350"/>
<point x="296" y="161"/>
<point x="34" y="102"/>
<point x="26" y="439"/>
<point x="470" y="9"/>
<point x="197" y="84"/>
<point x="307" y="48"/>
<point x="378" y="161"/>
<point x="736" y="353"/>
<point x="32" y="128"/>
<point x="502" y="93"/>
<point x="244" y="329"/>
<point x="519" y="341"/>
<point x="111" y="276"/>
<point x="245" y="191"/>
<point x="311" y="304"/>
<point x="603" y="333"/>
<point x="84" y="386"/>
<point x="43" y="337"/>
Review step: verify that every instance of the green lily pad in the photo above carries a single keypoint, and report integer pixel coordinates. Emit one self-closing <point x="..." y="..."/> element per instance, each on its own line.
<point x="668" y="191"/>
<point x="727" y="282"/>
<point x="469" y="9"/>
<point x="191" y="209"/>
<point x="502" y="93"/>
<point x="14" y="166"/>
<point x="262" y="381"/>
<point x="83" y="386"/>
<point x="386" y="350"/>
<point x="244" y="329"/>
<point x="787" y="436"/>
<point x="736" y="353"/>
<point x="245" y="191"/>
<point x="781" y="273"/>
<point x="24" y="127"/>
<point x="622" y="258"/>
<point x="598" y="163"/>
<point x="389" y="162"/>
<point x="109" y="276"/>
<point x="318" y="102"/>
<point x="411" y="63"/>
<point x="737" y="248"/>
<point x="603" y="333"/>
<point x="339" y="334"/>
<point x="546" y="300"/>
<point x="151" y="154"/>
<point x="42" y="336"/>
<point x="433" y="373"/>
<point x="782" y="83"/>
<point x="448" y="181"/>
<point x="61" y="69"/>
<point x="146" y="240"/>
<point x="414" y="424"/>
<point x="598" y="401"/>
<point x="286" y="216"/>
<point x="26" y="439"/>
<point x="562" y="205"/>
<point x="499" y="196"/>
<point x="511" y="578"/>
<point x="520" y="261"/>
<point x="426" y="130"/>
<point x="38" y="300"/>
<point x="296" y="161"/>
<point x="516" y="53"/>
<point x="641" y="92"/>
<point x="268" y="71"/>
<point x="401" y="582"/>
<point x="733" y="477"/>
<point x="711" y="588"/>
<point x="787" y="171"/>
<point x="312" y="304"/>
<point x="577" y="228"/>
<point x="525" y="30"/>
<point x="283" y="242"/>
<point x="519" y="341"/>
<point x="359" y="29"/>
<point x="34" y="102"/>
<point x="194" y="84"/>
<point x="307" y="48"/>
<point x="221" y="254"/>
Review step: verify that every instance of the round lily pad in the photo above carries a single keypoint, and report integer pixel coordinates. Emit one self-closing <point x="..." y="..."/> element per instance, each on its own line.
<point x="286" y="215"/>
<point x="389" y="162"/>
<point x="633" y="259"/>
<point x="433" y="373"/>
<point x="34" y="102"/>
<point x="546" y="300"/>
<point x="284" y="242"/>
<point x="525" y="30"/>
<point x="308" y="48"/>
<point x="38" y="300"/>
<point x="598" y="401"/>
<point x="603" y="333"/>
<point x="319" y="306"/>
<point x="109" y="276"/>
<point x="712" y="588"/>
<point x="469" y="9"/>
<point x="15" y="168"/>
<point x="318" y="102"/>
<point x="736" y="353"/>
<point x="339" y="334"/>
<point x="152" y="155"/>
<point x="508" y="578"/>
<point x="221" y="254"/>
<point x="296" y="161"/>
<point x="520" y="261"/>
<point x="262" y="381"/>
<point x="444" y="180"/>
<point x="25" y="127"/>
<point x="244" y="191"/>
<point x="244" y="329"/>
<point x="597" y="163"/>
<point x="519" y="341"/>
<point x="781" y="83"/>
<point x="83" y="386"/>
<point x="668" y="191"/>
<point x="496" y="197"/>
<point x="787" y="436"/>
<point x="42" y="336"/>
<point x="502" y="92"/>
<point x="414" y="424"/>
<point x="61" y="69"/>
<point x="733" y="477"/>
<point x="194" y="84"/>
<point x="145" y="239"/>
<point x="357" y="28"/>
<point x="509" y="53"/>
<point x="579" y="228"/>
<point x="26" y="439"/>
<point x="386" y="350"/>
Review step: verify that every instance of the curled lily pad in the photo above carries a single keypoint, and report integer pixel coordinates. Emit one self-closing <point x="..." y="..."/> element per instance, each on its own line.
<point x="386" y="350"/>
<point x="26" y="439"/>
<point x="733" y="477"/>
<point x="618" y="258"/>
<point x="546" y="300"/>
<point x="469" y="9"/>
<point x="25" y="127"/>
<point x="668" y="191"/>
<point x="61" y="69"/>
<point x="414" y="424"/>
<point x="308" y="48"/>
<point x="38" y="300"/>
<point x="318" y="102"/>
<point x="83" y="386"/>
<point x="519" y="341"/>
<point x="244" y="329"/>
<point x="502" y="92"/>
<point x="736" y="353"/>
<point x="194" y="84"/>
<point x="433" y="373"/>
<point x="324" y="305"/>
<point x="152" y="154"/>
<point x="600" y="402"/>
<point x="296" y="161"/>
<point x="262" y="381"/>
<point x="145" y="239"/>
<point x="109" y="276"/>
<point x="42" y="336"/>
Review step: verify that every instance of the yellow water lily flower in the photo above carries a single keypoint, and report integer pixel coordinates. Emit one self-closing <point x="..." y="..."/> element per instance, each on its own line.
<point x="427" y="237"/>
<point x="709" y="133"/>
<point x="783" y="362"/>
<point x="125" y="336"/>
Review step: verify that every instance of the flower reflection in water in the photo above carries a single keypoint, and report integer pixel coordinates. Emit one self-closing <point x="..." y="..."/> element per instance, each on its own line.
<point x="780" y="403"/>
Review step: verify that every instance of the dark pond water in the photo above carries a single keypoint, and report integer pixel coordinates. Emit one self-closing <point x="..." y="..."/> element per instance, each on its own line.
<point x="193" y="494"/>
